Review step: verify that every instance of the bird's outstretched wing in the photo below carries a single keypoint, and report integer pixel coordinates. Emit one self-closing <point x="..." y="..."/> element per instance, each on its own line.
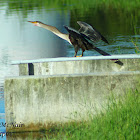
<point x="71" y="30"/>
<point x="90" y="32"/>
<point x="80" y="39"/>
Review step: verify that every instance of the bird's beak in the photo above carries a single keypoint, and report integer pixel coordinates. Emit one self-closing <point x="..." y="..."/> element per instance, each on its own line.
<point x="31" y="21"/>
<point x="34" y="22"/>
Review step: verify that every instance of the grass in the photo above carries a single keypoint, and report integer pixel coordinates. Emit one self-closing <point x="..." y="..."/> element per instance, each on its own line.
<point x="121" y="121"/>
<point x="26" y="5"/>
<point x="79" y="3"/>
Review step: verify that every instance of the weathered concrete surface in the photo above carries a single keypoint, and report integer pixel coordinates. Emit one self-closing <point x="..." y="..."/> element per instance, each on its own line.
<point x="37" y="101"/>
<point x="23" y="69"/>
<point x="79" y="67"/>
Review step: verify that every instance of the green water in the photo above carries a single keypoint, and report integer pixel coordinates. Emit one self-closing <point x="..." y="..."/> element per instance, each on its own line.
<point x="117" y="20"/>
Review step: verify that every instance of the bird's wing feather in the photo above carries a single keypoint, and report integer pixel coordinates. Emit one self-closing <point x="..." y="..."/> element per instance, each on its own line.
<point x="79" y="39"/>
<point x="82" y="37"/>
<point x="91" y="33"/>
<point x="69" y="29"/>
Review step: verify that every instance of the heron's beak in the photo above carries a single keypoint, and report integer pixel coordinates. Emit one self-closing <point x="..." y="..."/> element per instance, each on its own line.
<point x="34" y="22"/>
<point x="31" y="21"/>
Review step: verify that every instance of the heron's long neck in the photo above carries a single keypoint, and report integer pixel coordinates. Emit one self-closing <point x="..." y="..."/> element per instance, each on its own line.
<point x="56" y="31"/>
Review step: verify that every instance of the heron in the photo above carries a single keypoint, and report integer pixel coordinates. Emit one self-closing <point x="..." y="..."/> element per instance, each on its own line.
<point x="81" y="39"/>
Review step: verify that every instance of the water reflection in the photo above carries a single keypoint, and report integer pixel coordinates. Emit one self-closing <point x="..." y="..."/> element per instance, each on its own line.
<point x="29" y="42"/>
<point x="21" y="40"/>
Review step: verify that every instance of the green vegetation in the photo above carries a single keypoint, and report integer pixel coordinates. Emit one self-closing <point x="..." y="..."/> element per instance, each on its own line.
<point x="29" y="4"/>
<point x="124" y="13"/>
<point x="119" y="121"/>
<point x="124" y="5"/>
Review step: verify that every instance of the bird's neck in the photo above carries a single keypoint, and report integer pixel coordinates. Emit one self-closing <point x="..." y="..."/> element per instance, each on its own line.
<point x="56" y="32"/>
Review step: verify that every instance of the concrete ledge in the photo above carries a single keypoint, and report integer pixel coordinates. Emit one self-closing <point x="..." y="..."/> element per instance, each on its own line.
<point x="42" y="100"/>
<point x="61" y="59"/>
<point x="72" y="65"/>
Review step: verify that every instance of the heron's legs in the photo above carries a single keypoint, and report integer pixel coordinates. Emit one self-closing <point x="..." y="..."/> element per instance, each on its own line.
<point x="75" y="54"/>
<point x="76" y="50"/>
<point x="81" y="54"/>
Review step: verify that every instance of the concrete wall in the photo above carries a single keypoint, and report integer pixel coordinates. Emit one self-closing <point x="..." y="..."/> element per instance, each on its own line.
<point x="55" y="90"/>
<point x="37" y="101"/>
<point x="79" y="67"/>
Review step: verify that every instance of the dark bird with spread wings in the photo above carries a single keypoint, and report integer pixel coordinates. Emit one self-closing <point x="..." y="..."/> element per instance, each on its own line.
<point x="82" y="39"/>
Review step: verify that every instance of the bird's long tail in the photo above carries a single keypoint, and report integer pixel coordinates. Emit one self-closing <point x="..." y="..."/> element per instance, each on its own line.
<point x="107" y="54"/>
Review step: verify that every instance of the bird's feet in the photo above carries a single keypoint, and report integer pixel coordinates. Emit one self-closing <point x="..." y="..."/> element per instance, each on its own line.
<point x="79" y="56"/>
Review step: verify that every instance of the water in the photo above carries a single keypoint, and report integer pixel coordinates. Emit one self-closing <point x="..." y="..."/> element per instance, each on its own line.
<point x="2" y="116"/>
<point x="20" y="40"/>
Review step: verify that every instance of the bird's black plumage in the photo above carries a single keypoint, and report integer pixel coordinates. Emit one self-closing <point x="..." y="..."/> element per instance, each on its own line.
<point x="78" y="40"/>
<point x="90" y="32"/>
<point x="83" y="40"/>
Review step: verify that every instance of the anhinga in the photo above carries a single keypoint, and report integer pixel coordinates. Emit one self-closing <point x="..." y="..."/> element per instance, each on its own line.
<point x="82" y="39"/>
